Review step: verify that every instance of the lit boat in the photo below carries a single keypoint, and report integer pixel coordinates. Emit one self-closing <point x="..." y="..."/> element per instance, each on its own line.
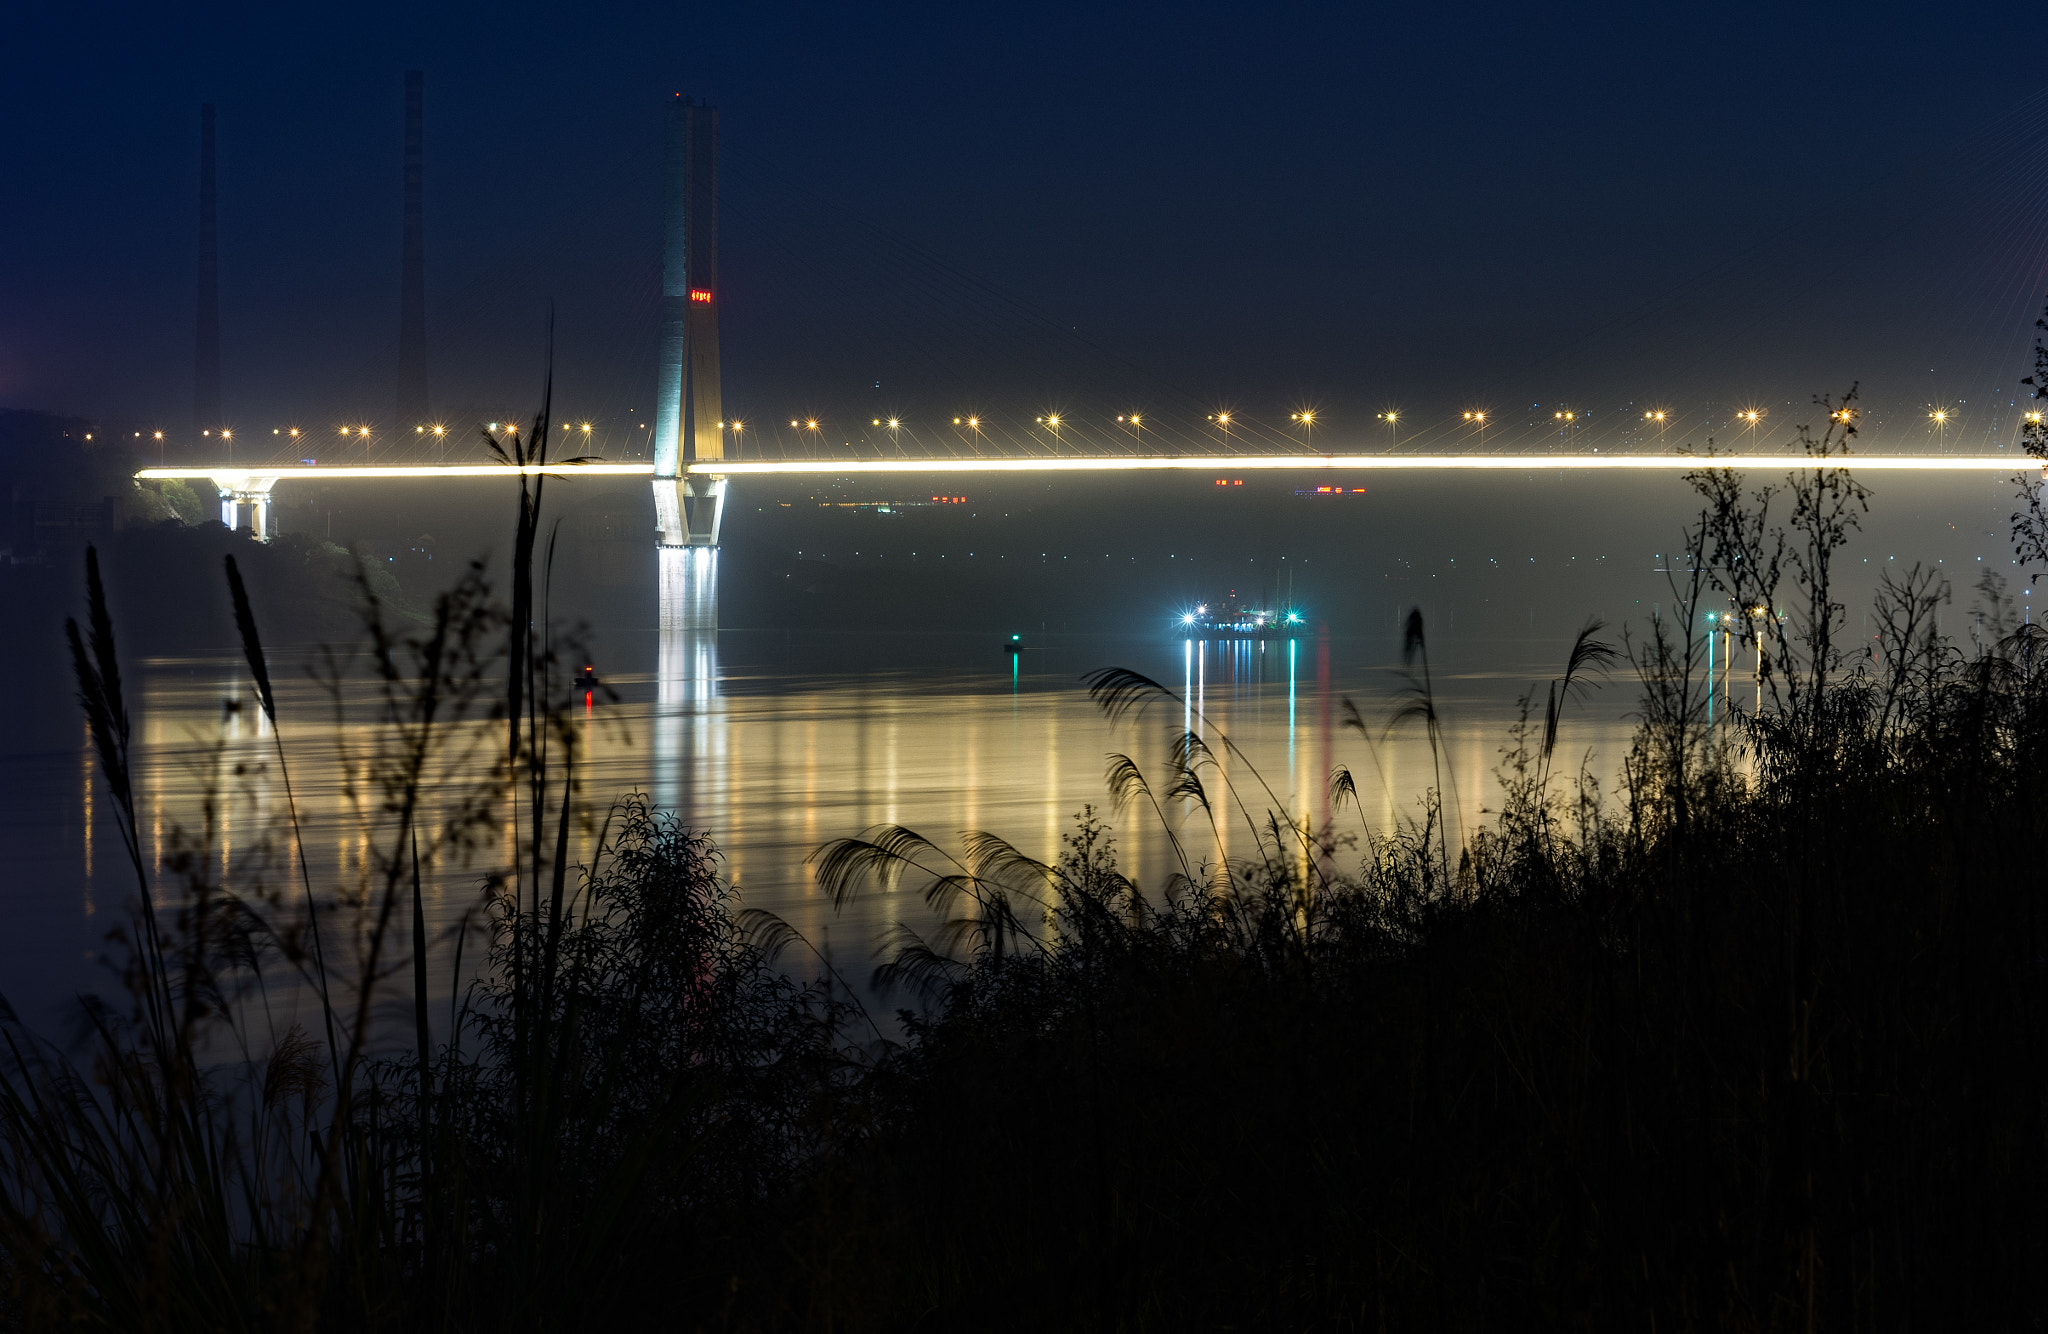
<point x="1232" y="619"/>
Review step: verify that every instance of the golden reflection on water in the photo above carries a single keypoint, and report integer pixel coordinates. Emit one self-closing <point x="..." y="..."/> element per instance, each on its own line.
<point x="86" y="765"/>
<point x="773" y="763"/>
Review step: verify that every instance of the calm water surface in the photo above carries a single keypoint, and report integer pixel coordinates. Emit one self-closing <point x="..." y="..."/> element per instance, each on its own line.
<point x="774" y="743"/>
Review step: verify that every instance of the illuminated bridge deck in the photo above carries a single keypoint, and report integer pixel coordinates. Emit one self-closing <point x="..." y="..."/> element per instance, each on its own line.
<point x="236" y="475"/>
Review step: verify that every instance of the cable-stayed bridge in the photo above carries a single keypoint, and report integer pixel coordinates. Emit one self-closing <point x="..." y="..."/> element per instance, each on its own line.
<point x="693" y="451"/>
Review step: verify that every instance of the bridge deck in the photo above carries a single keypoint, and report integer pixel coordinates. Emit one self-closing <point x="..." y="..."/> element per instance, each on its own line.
<point x="1210" y="463"/>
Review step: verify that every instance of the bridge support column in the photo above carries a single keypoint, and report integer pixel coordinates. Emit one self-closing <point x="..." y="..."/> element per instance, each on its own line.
<point x="689" y="510"/>
<point x="241" y="491"/>
<point x="689" y="731"/>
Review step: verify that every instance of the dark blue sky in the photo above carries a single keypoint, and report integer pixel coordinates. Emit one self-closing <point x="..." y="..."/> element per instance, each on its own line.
<point x="1422" y="206"/>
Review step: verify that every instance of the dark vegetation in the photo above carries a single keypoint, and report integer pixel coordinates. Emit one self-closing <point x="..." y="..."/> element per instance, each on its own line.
<point x="1755" y="1042"/>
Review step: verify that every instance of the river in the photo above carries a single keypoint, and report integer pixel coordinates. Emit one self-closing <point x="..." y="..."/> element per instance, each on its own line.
<point x="773" y="743"/>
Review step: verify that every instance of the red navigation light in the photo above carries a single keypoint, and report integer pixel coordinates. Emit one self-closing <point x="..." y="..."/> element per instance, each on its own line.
<point x="699" y="294"/>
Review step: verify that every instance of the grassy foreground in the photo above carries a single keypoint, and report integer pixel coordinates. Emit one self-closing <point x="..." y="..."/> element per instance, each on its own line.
<point x="1754" y="1043"/>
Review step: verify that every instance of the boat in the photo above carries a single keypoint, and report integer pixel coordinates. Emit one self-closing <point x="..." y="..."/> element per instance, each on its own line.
<point x="1235" y="618"/>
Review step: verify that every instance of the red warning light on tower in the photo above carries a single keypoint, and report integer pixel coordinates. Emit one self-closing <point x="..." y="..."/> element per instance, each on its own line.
<point x="699" y="294"/>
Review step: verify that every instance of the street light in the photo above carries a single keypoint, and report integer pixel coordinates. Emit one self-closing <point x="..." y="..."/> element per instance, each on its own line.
<point x="1940" y="419"/>
<point x="1392" y="419"/>
<point x="1308" y="423"/>
<point x="1478" y="419"/>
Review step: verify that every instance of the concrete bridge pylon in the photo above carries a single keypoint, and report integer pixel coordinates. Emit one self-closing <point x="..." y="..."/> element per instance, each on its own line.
<point x="689" y="418"/>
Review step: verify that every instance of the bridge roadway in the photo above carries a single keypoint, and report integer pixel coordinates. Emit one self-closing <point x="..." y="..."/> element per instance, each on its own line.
<point x="249" y="486"/>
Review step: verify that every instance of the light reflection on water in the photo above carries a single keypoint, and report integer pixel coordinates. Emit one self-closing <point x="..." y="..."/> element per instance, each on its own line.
<point x="775" y="746"/>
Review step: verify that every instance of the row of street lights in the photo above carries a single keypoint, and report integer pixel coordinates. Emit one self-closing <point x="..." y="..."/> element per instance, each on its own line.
<point x="1567" y="422"/>
<point x="1306" y="420"/>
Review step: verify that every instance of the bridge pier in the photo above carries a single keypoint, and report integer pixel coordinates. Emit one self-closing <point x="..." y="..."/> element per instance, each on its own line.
<point x="689" y="510"/>
<point x="687" y="737"/>
<point x="242" y="491"/>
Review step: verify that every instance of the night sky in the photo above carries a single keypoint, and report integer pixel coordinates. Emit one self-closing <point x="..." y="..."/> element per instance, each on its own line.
<point x="1078" y="207"/>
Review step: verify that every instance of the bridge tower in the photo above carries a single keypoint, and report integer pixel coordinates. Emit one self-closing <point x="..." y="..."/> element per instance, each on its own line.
<point x="412" y="287"/>
<point x="689" y="418"/>
<point x="206" y="409"/>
